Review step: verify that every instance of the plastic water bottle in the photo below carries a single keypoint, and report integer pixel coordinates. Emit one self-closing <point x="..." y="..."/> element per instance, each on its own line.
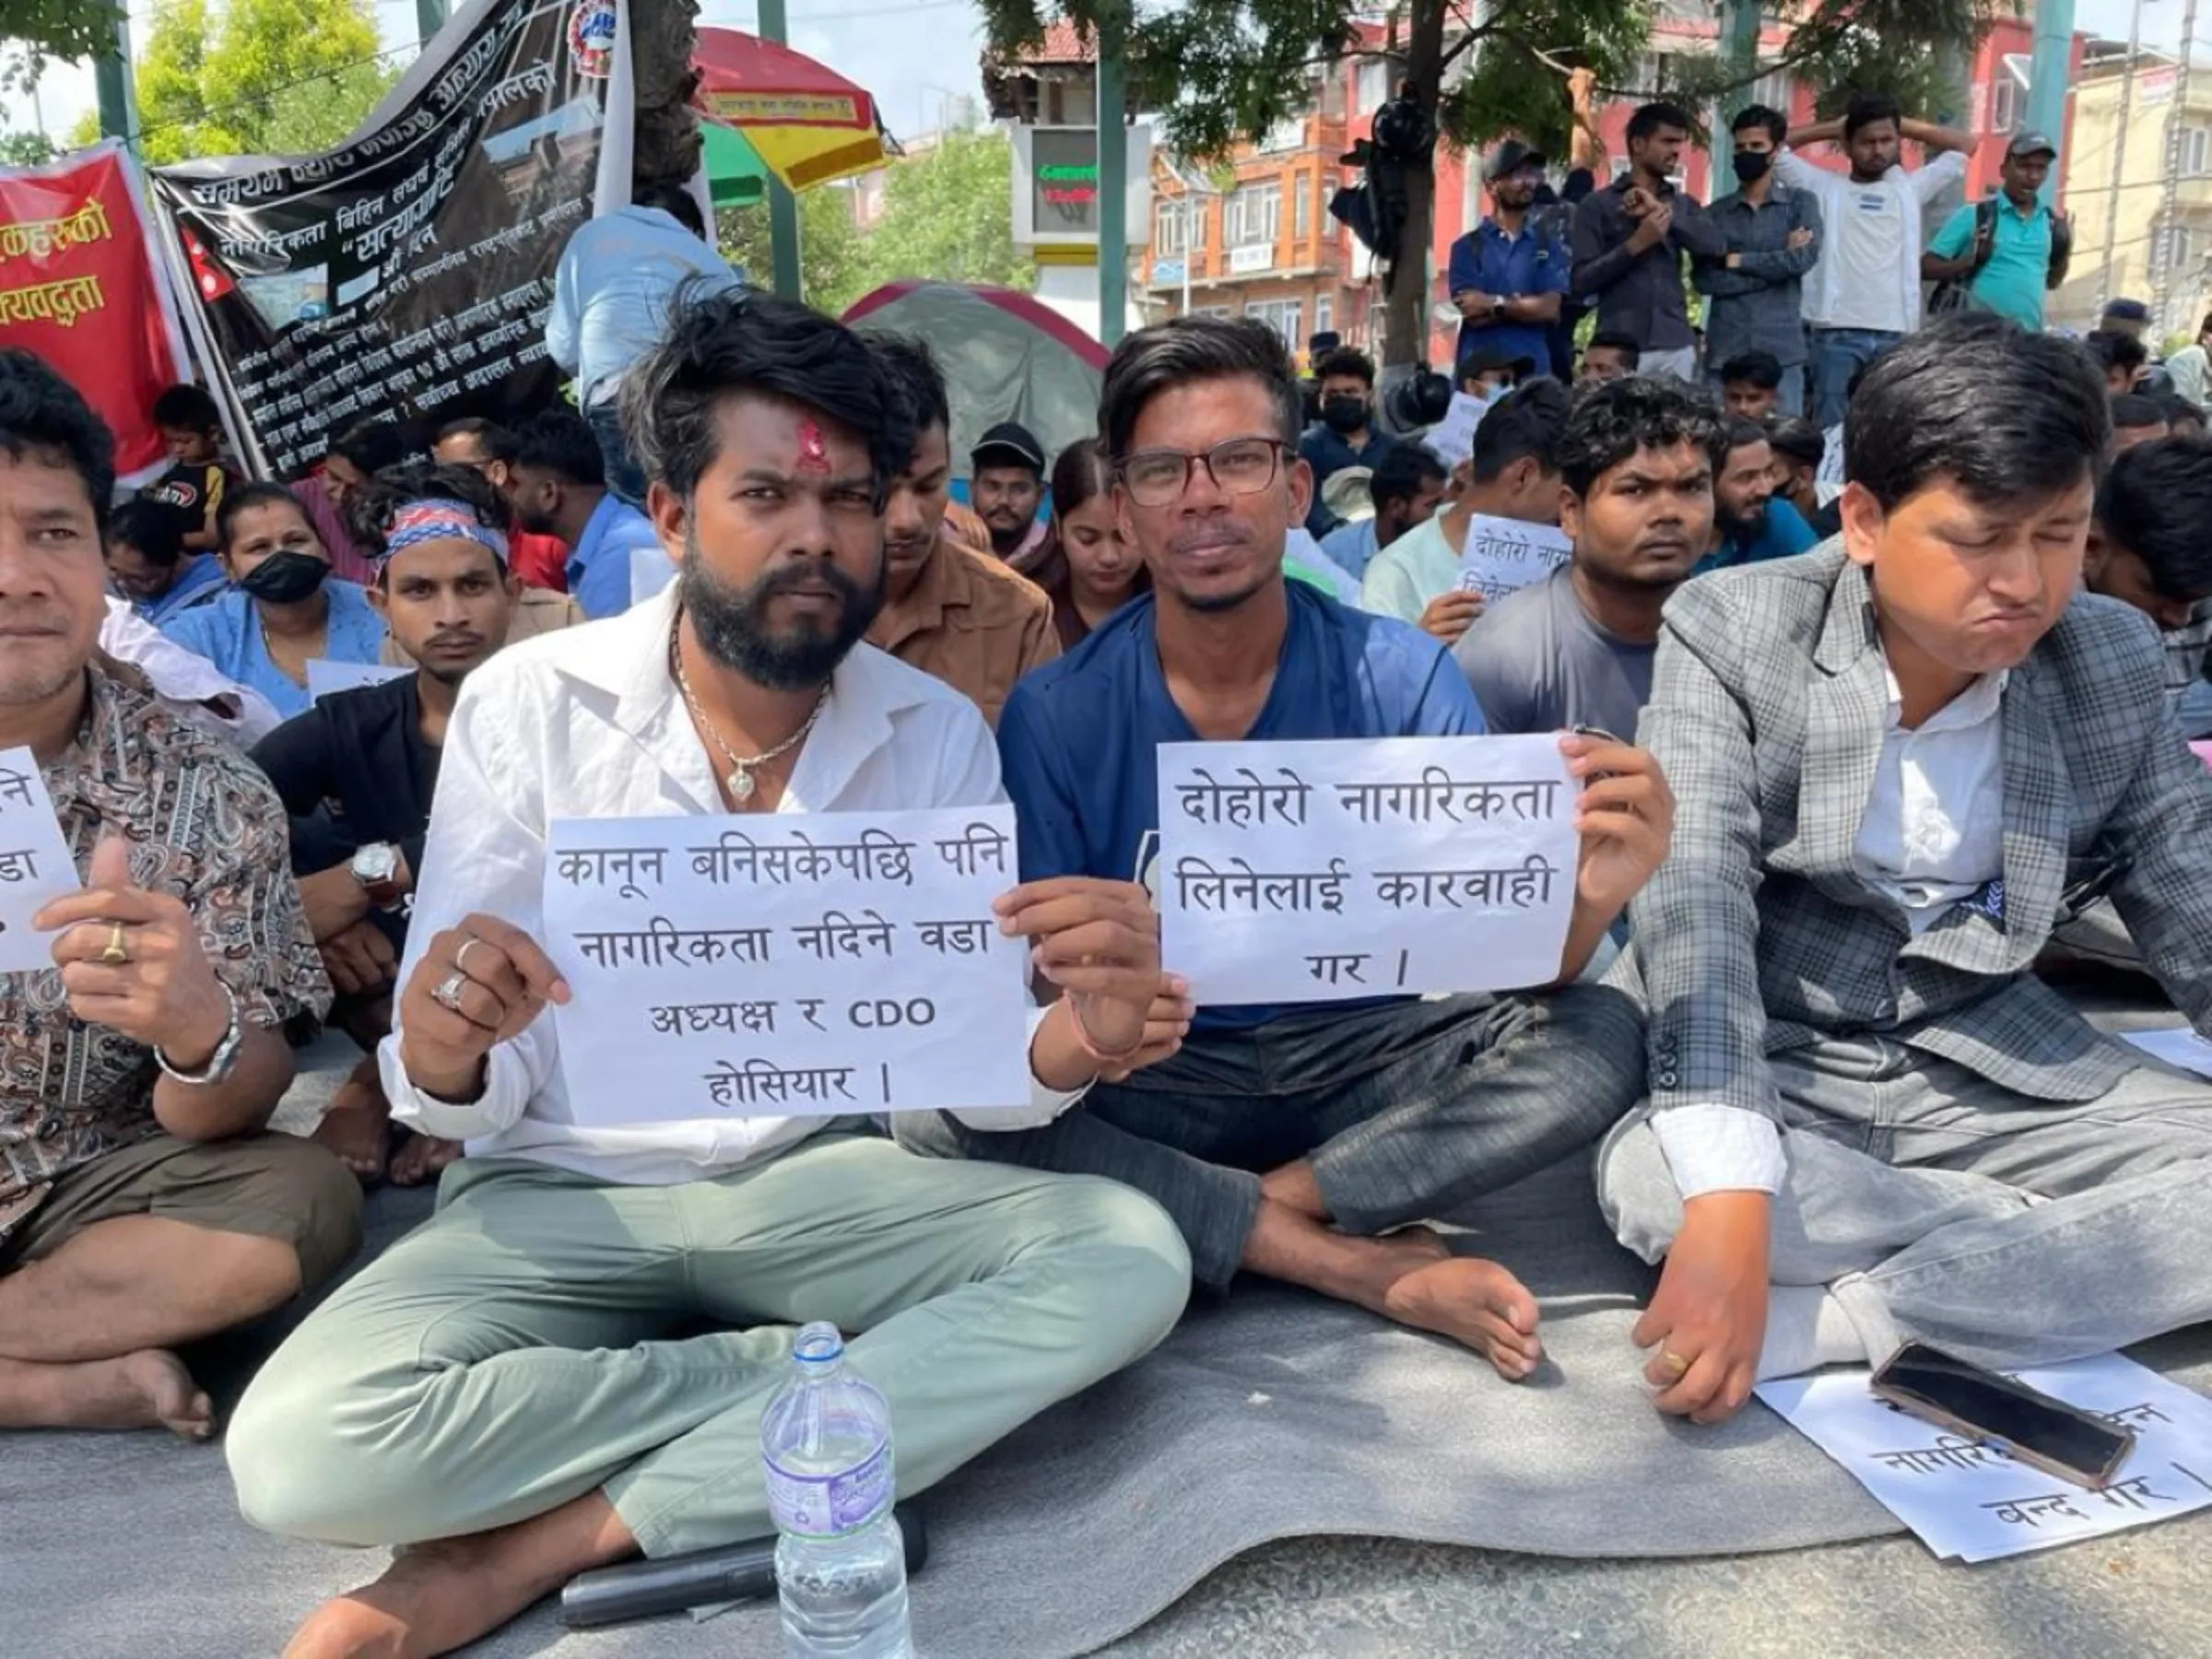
<point x="841" y="1564"/>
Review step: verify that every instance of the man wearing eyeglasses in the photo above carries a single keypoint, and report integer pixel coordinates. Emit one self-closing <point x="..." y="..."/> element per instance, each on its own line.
<point x="1298" y="1142"/>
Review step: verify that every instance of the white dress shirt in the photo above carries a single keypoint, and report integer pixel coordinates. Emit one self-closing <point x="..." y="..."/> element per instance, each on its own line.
<point x="1901" y="196"/>
<point x="587" y="722"/>
<point x="1933" y="834"/>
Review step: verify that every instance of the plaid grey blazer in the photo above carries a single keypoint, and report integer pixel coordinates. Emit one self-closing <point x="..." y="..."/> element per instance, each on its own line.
<point x="1768" y="703"/>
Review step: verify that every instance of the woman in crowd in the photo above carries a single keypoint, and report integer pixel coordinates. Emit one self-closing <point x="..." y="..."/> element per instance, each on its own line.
<point x="1084" y="564"/>
<point x="284" y="609"/>
<point x="150" y="566"/>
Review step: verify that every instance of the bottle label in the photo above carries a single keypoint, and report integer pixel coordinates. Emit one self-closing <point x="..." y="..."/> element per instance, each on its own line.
<point x="823" y="1506"/>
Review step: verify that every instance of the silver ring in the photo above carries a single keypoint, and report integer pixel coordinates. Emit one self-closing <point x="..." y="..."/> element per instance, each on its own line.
<point x="461" y="955"/>
<point x="448" y="991"/>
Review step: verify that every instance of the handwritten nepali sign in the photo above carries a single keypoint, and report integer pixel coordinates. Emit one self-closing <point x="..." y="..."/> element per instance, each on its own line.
<point x="1503" y="556"/>
<point x="787" y="964"/>
<point x="1325" y="871"/>
<point x="34" y="862"/>
<point x="1970" y="1501"/>
<point x="326" y="675"/>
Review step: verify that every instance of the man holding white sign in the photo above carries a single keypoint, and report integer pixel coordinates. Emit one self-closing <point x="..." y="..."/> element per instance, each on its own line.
<point x="506" y="1387"/>
<point x="1287" y="1137"/>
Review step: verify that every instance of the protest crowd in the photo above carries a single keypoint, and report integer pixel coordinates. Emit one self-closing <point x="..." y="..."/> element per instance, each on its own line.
<point x="1871" y="621"/>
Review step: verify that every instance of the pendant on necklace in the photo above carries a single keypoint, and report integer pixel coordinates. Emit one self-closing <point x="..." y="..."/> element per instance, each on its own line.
<point x="741" y="785"/>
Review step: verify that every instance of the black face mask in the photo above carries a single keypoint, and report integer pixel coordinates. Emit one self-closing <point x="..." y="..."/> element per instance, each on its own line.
<point x="286" y="578"/>
<point x="1344" y="414"/>
<point x="1752" y="165"/>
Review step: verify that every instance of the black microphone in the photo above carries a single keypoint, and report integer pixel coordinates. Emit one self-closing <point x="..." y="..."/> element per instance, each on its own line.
<point x="734" y="1572"/>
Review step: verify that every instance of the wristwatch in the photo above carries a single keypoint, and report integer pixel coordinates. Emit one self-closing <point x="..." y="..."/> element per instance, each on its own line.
<point x="226" y="1051"/>
<point x="376" y="867"/>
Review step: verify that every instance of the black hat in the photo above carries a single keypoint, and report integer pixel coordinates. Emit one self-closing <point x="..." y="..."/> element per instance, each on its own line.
<point x="2127" y="311"/>
<point x="1479" y="360"/>
<point x="1008" y="441"/>
<point x="2031" y="144"/>
<point x="1509" y="158"/>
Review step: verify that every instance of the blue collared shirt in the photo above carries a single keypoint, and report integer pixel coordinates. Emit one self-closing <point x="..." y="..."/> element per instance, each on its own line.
<point x="598" y="567"/>
<point x="612" y="289"/>
<point x="226" y="631"/>
<point x="1488" y="261"/>
<point x="199" y="579"/>
<point x="1352" y="546"/>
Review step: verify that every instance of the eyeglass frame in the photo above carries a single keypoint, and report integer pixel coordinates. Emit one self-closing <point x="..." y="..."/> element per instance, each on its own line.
<point x="1278" y="449"/>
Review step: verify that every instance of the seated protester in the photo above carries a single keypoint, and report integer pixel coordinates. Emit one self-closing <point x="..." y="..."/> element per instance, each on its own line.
<point x="1489" y="374"/>
<point x="1088" y="569"/>
<point x="1406" y="488"/>
<point x="538" y="561"/>
<point x="558" y="487"/>
<point x="1609" y="357"/>
<point x="354" y="456"/>
<point x="369" y="759"/>
<point x="2184" y="418"/>
<point x="2136" y="419"/>
<point x="135" y="653"/>
<point x="2147" y="548"/>
<point x="147" y="563"/>
<point x="142" y="1202"/>
<point x="1750" y="523"/>
<point x="1005" y="483"/>
<point x="1893" y="757"/>
<point x="191" y="491"/>
<point x="1513" y="474"/>
<point x="1636" y="465"/>
<point x="1289" y="1141"/>
<point x="521" y="1389"/>
<point x="1347" y="434"/>
<point x="1750" y="385"/>
<point x="961" y="616"/>
<point x="1799" y="451"/>
<point x="2122" y="357"/>
<point x="283" y="609"/>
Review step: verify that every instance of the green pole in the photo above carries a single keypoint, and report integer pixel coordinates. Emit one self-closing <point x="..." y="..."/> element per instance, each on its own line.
<point x="783" y="207"/>
<point x="1113" y="174"/>
<point x="111" y="83"/>
<point x="1742" y="54"/>
<point x="2047" y="76"/>
<point x="430" y="18"/>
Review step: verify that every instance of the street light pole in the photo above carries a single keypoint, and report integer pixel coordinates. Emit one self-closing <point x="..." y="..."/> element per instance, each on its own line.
<point x="2047" y="73"/>
<point x="1113" y="174"/>
<point x="783" y="207"/>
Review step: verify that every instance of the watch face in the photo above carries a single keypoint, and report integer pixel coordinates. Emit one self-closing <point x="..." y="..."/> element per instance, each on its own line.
<point x="379" y="863"/>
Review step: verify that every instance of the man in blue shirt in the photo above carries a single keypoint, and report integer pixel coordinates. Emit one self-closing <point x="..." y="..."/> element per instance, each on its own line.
<point x="2028" y="247"/>
<point x="558" y="484"/>
<point x="1346" y="435"/>
<point x="1295" y="1142"/>
<point x="1506" y="276"/>
<point x="1751" y="522"/>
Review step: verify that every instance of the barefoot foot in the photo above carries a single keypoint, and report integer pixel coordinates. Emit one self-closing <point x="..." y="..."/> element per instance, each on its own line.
<point x="146" y="1389"/>
<point x="420" y="1159"/>
<point x="357" y="1128"/>
<point x="1474" y="1302"/>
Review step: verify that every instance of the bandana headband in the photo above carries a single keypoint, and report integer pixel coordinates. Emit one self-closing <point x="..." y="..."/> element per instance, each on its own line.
<point x="442" y="520"/>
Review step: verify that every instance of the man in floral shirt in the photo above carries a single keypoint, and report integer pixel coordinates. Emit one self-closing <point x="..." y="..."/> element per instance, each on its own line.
<point x="142" y="1201"/>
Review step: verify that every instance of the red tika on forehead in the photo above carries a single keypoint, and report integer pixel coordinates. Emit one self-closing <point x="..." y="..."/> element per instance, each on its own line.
<point x="814" y="449"/>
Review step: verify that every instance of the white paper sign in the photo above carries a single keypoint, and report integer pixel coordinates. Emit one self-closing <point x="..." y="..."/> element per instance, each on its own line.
<point x="786" y="965"/>
<point x="1325" y="871"/>
<point x="1971" y="1501"/>
<point x="2181" y="1046"/>
<point x="325" y="676"/>
<point x="1451" y="440"/>
<point x="34" y="862"/>
<point x="1503" y="556"/>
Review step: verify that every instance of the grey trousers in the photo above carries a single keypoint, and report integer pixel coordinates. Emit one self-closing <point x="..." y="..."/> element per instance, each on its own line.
<point x="1937" y="1204"/>
<point x="1404" y="1109"/>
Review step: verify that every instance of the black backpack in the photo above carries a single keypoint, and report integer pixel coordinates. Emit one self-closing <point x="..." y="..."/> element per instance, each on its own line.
<point x="1956" y="293"/>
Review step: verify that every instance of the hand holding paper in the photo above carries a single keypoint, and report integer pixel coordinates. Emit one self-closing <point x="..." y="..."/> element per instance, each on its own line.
<point x="1625" y="816"/>
<point x="131" y="960"/>
<point x="34" y="861"/>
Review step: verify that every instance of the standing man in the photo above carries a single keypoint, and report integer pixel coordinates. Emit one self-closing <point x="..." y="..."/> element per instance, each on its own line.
<point x="1346" y="435"/>
<point x="1637" y="464"/>
<point x="557" y="483"/>
<point x="1507" y="276"/>
<point x="947" y="609"/>
<point x="1629" y="243"/>
<point x="1007" y="484"/>
<point x="1770" y="232"/>
<point x="1864" y="295"/>
<point x="1296" y="1142"/>
<point x="1407" y="488"/>
<point x="2006" y="251"/>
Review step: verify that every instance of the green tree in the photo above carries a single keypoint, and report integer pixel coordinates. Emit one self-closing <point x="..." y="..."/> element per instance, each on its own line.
<point x="25" y="150"/>
<point x="36" y="30"/>
<point x="946" y="218"/>
<point x="1218" y="71"/>
<point x="259" y="77"/>
<point x="830" y="262"/>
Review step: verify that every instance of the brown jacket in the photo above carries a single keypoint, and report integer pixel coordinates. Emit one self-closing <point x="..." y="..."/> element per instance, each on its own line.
<point x="540" y="610"/>
<point x="970" y="622"/>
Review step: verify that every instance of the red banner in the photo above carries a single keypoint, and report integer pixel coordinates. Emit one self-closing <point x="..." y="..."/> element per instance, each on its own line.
<point x="77" y="287"/>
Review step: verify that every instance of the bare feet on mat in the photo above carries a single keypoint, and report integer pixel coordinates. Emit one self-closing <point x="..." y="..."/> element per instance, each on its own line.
<point x="146" y="1389"/>
<point x="357" y="1128"/>
<point x="437" y="1598"/>
<point x="421" y="1158"/>
<point x="1471" y="1299"/>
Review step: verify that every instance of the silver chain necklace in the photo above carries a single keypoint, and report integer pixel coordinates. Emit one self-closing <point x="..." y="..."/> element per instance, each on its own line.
<point x="740" y="780"/>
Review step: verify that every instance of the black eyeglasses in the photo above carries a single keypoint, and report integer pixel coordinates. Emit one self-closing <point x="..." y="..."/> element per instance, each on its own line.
<point x="1243" y="466"/>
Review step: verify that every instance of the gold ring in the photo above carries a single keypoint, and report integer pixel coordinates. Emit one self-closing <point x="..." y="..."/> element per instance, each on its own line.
<point x="117" y="952"/>
<point x="1673" y="1363"/>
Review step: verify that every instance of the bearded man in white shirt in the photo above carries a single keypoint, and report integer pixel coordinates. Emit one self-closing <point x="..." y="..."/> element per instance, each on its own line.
<point x="503" y="1387"/>
<point x="1898" y="762"/>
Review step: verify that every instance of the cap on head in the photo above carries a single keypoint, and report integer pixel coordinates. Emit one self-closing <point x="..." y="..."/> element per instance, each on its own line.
<point x="2031" y="144"/>
<point x="1008" y="444"/>
<point x="1509" y="158"/>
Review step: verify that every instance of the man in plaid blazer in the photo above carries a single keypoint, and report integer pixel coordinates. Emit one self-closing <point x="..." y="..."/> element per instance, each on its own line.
<point x="1896" y="759"/>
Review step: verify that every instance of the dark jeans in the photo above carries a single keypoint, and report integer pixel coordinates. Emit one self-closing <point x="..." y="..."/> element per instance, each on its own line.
<point x="624" y="476"/>
<point x="1405" y="1111"/>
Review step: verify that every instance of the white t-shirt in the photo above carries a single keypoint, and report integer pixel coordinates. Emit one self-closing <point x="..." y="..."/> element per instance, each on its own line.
<point x="1863" y="243"/>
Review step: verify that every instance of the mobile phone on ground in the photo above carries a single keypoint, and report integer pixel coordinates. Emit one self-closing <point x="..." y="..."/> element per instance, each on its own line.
<point x="2044" y="1433"/>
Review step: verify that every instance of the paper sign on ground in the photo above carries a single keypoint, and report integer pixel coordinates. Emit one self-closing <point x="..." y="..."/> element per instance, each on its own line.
<point x="2181" y="1046"/>
<point x="325" y="676"/>
<point x="1971" y="1501"/>
<point x="786" y="965"/>
<point x="1503" y="556"/>
<point x="1325" y="871"/>
<point x="1451" y="440"/>
<point x="34" y="862"/>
